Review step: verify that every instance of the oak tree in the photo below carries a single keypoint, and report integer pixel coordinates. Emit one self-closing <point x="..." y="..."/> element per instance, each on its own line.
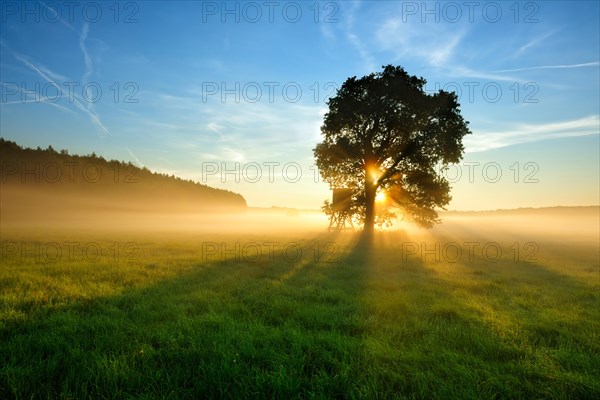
<point x="383" y="132"/>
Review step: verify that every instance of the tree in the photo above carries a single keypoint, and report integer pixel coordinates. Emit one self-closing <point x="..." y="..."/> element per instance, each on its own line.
<point x="383" y="132"/>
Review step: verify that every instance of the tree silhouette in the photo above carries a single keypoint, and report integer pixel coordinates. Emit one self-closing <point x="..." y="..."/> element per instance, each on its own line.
<point x="383" y="132"/>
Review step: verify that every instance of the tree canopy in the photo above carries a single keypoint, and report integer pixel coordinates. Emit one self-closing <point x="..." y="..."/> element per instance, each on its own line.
<point x="383" y="132"/>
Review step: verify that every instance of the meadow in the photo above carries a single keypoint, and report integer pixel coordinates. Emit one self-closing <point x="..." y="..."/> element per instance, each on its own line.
<point x="495" y="307"/>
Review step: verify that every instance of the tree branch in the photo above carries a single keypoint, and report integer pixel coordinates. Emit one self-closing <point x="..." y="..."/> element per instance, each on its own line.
<point x="409" y="149"/>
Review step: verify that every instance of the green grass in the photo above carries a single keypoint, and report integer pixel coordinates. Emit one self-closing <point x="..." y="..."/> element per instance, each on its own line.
<point x="356" y="321"/>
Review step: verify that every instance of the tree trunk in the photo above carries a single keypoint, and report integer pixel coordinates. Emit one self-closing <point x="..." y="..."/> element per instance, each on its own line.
<point x="370" y="190"/>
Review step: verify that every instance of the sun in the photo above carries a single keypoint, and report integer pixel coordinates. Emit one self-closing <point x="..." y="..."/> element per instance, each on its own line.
<point x="380" y="196"/>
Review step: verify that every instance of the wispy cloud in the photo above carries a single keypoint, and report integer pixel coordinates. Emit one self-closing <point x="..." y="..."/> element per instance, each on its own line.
<point x="31" y="96"/>
<point x="55" y="14"/>
<point x="57" y="80"/>
<point x="55" y="76"/>
<point x="86" y="57"/>
<point x="460" y="71"/>
<point x="229" y="131"/>
<point x="365" y="56"/>
<point x="526" y="133"/>
<point x="89" y="69"/>
<point x="355" y="40"/>
<point x="533" y="43"/>
<point x="134" y="157"/>
<point x="215" y="128"/>
<point x="327" y="32"/>
<point x="76" y="100"/>
<point x="436" y="44"/>
<point x="559" y="66"/>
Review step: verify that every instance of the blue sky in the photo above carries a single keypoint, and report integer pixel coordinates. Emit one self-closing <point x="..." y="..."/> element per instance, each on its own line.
<point x="183" y="87"/>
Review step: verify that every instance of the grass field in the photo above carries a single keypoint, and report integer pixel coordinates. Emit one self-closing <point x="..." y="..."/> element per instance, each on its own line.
<point x="187" y="314"/>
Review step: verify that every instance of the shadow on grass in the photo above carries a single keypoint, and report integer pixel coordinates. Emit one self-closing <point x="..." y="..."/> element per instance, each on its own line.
<point x="358" y="320"/>
<point x="281" y="328"/>
<point x="505" y="330"/>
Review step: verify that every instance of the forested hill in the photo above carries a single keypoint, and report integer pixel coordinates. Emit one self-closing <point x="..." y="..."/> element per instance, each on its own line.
<point x="50" y="178"/>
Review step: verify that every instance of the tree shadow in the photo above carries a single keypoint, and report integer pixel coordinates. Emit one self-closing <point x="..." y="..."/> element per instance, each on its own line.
<point x="224" y="330"/>
<point x="513" y="329"/>
<point x="504" y="330"/>
<point x="358" y="321"/>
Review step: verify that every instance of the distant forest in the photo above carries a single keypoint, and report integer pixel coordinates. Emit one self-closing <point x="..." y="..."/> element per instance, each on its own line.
<point x="115" y="183"/>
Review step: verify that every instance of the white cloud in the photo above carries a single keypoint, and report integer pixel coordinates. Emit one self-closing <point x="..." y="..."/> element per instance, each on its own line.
<point x="435" y="44"/>
<point x="492" y="76"/>
<point x="53" y="75"/>
<point x="56" y="14"/>
<point x="57" y="80"/>
<point x="76" y="100"/>
<point x="526" y="133"/>
<point x="86" y="57"/>
<point x="31" y="96"/>
<point x="365" y="56"/>
<point x="355" y="40"/>
<point x="559" y="66"/>
<point x="89" y="69"/>
<point x="533" y="43"/>
<point x="231" y="131"/>
<point x="134" y="157"/>
<point x="216" y="128"/>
